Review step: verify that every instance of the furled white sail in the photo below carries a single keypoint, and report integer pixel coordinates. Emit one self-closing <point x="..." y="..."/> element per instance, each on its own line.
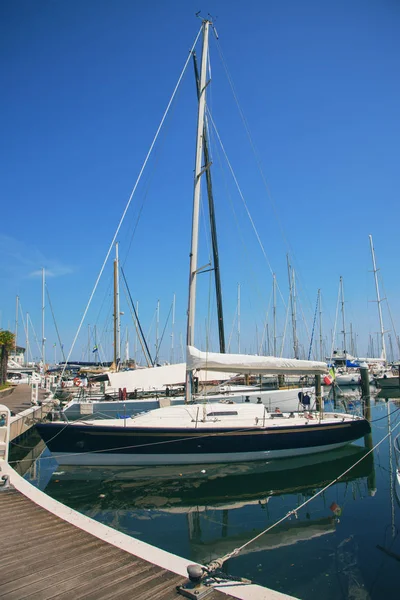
<point x="158" y="378"/>
<point x="251" y="365"/>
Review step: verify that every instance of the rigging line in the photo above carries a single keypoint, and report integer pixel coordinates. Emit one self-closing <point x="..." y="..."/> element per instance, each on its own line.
<point x="23" y="320"/>
<point x="313" y="329"/>
<point x="255" y="152"/>
<point x="137" y="324"/>
<point x="259" y="349"/>
<point x="284" y="329"/>
<point x="55" y="324"/>
<point x="239" y="230"/>
<point x="217" y="563"/>
<point x="132" y="193"/>
<point x="149" y="181"/>
<point x="334" y="328"/>
<point x="393" y="412"/>
<point x="35" y="336"/>
<point x="390" y="315"/>
<point x="243" y="199"/>
<point x="165" y="327"/>
<point x="253" y="147"/>
<point x="232" y="328"/>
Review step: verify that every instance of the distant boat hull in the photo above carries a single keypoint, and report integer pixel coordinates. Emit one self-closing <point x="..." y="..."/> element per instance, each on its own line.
<point x="388" y="382"/>
<point x="285" y="400"/>
<point x="348" y="379"/>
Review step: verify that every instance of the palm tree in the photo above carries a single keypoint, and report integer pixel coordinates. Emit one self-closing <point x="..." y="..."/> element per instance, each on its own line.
<point x="7" y="342"/>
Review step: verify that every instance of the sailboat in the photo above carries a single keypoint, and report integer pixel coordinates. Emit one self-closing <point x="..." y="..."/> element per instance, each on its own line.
<point x="205" y="432"/>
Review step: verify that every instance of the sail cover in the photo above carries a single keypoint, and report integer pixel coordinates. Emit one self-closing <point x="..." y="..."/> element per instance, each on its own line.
<point x="251" y="365"/>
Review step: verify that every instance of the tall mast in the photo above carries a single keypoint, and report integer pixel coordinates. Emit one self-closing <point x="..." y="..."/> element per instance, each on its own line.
<point x="293" y="306"/>
<point x="274" y="309"/>
<point x="378" y="300"/>
<point x="16" y="324"/>
<point x="95" y="344"/>
<point x="172" y="356"/>
<point x="135" y="348"/>
<point x="27" y="339"/>
<point x="157" y="329"/>
<point x="196" y="204"/>
<point x="343" y="317"/>
<point x="117" y="327"/>
<point x="321" y="356"/>
<point x="43" y="307"/>
<point x="352" y="340"/>
<point x="126" y="345"/>
<point x="238" y="321"/>
<point x="213" y="226"/>
<point x="118" y="306"/>
<point x="391" y="348"/>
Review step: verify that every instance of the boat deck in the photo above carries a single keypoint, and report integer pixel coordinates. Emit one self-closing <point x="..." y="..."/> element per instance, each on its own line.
<point x="45" y="557"/>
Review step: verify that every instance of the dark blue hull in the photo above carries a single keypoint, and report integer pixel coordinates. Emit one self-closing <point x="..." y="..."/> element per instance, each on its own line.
<point x="103" y="444"/>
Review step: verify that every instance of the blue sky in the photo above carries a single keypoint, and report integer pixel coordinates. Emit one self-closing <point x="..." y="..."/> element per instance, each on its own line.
<point x="84" y="87"/>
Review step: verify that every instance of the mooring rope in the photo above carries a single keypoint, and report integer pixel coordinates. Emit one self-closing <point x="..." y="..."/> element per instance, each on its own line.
<point x="218" y="562"/>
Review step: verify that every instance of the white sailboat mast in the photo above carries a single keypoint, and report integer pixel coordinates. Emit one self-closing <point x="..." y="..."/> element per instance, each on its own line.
<point x="27" y="339"/>
<point x="157" y="330"/>
<point x="172" y="355"/>
<point x="378" y="299"/>
<point x="321" y="354"/>
<point x="16" y="324"/>
<point x="292" y="287"/>
<point x="343" y="317"/>
<point x="117" y="314"/>
<point x="43" y="307"/>
<point x="196" y="201"/>
<point x="274" y="309"/>
<point x="238" y="322"/>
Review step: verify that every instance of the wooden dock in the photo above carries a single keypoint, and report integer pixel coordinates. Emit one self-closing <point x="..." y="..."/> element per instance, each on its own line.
<point x="25" y="413"/>
<point x="49" y="550"/>
<point x="43" y="557"/>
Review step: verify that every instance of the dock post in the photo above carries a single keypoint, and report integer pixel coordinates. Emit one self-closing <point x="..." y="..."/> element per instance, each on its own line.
<point x="34" y="392"/>
<point x="318" y="393"/>
<point x="5" y="416"/>
<point x="365" y="384"/>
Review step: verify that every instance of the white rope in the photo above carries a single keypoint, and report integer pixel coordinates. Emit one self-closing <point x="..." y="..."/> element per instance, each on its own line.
<point x="217" y="563"/>
<point x="130" y="198"/>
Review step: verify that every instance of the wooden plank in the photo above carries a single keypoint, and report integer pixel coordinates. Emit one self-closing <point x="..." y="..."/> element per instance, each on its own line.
<point x="55" y="566"/>
<point x="44" y="557"/>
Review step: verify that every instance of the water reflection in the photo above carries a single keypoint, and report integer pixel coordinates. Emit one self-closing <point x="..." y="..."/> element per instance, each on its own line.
<point x="129" y="496"/>
<point x="337" y="547"/>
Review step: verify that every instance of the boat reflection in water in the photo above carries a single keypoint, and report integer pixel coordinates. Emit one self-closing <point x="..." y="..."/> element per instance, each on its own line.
<point x="242" y="499"/>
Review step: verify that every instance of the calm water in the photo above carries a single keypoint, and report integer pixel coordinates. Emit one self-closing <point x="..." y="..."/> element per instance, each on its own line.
<point x="337" y="547"/>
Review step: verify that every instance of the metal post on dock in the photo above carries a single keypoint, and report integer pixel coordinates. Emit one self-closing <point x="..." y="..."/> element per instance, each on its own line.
<point x="365" y="391"/>
<point x="318" y="392"/>
<point x="34" y="392"/>
<point x="5" y="416"/>
<point x="368" y="443"/>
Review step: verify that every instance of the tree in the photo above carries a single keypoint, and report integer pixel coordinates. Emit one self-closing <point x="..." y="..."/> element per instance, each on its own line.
<point x="7" y="343"/>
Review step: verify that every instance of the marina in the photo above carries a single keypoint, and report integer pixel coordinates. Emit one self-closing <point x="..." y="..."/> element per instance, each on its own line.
<point x="316" y="511"/>
<point x="197" y="417"/>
